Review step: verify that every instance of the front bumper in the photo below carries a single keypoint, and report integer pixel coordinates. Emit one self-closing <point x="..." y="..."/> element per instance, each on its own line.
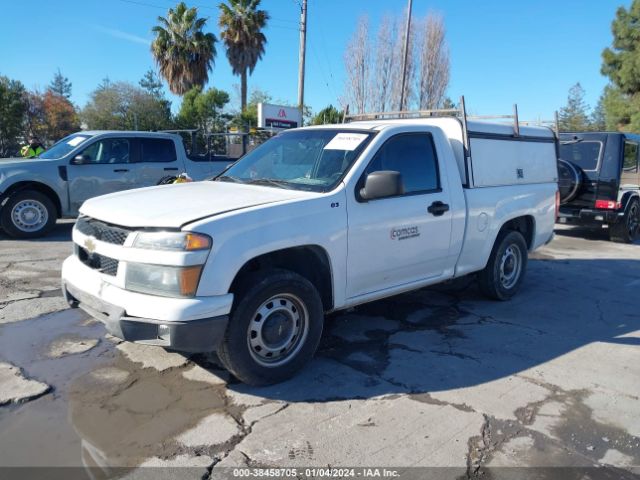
<point x="193" y="324"/>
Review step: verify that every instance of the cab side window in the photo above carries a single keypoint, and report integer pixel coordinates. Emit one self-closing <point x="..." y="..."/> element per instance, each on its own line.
<point x="630" y="157"/>
<point x="414" y="156"/>
<point x="107" y="151"/>
<point x="155" y="150"/>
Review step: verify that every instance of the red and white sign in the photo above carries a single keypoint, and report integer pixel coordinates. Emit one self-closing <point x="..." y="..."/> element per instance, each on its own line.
<point x="278" y="117"/>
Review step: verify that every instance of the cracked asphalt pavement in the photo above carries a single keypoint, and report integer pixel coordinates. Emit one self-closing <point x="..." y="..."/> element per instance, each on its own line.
<point x="438" y="378"/>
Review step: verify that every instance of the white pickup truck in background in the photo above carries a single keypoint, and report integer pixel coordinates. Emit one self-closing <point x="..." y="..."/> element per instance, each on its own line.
<point x="35" y="192"/>
<point x="314" y="220"/>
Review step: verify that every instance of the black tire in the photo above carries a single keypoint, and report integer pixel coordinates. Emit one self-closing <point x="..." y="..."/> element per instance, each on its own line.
<point x="569" y="180"/>
<point x="23" y="206"/>
<point x="627" y="229"/>
<point x="167" y="180"/>
<point x="241" y="350"/>
<point x="501" y="279"/>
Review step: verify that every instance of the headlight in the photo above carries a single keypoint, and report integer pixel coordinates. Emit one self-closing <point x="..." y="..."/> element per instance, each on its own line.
<point x="163" y="280"/>
<point x="182" y="241"/>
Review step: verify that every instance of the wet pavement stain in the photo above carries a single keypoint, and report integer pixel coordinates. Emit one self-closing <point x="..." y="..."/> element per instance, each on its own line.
<point x="102" y="410"/>
<point x="125" y="418"/>
<point x="580" y="441"/>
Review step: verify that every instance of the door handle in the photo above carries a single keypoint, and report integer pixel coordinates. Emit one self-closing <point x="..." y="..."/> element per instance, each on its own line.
<point x="119" y="170"/>
<point x="173" y="169"/>
<point x="438" y="208"/>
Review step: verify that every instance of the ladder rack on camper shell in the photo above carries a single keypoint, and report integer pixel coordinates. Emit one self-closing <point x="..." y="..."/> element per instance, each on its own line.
<point x="460" y="113"/>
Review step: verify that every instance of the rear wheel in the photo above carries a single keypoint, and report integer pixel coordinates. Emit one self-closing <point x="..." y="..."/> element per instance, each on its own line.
<point x="274" y="329"/>
<point x="28" y="214"/>
<point x="505" y="269"/>
<point x="627" y="229"/>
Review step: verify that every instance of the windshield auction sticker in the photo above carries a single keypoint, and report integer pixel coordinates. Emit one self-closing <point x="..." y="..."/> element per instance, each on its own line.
<point x="346" y="141"/>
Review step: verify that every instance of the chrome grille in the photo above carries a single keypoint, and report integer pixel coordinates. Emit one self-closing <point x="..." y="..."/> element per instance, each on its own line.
<point x="102" y="263"/>
<point x="102" y="231"/>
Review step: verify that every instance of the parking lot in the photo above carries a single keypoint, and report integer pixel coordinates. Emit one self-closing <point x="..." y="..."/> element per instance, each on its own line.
<point x="436" y="378"/>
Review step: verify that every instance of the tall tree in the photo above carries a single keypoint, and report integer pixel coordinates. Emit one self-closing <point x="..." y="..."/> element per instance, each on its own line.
<point x="598" y="116"/>
<point x="327" y="115"/>
<point x="386" y="61"/>
<point x="242" y="23"/>
<point x="621" y="63"/>
<point x="203" y="109"/>
<point x="357" y="62"/>
<point x="574" y="116"/>
<point x="35" y="119"/>
<point x="433" y="65"/>
<point x="61" y="117"/>
<point x="123" y="106"/>
<point x="60" y="85"/>
<point x="13" y="106"/>
<point x="151" y="83"/>
<point x="184" y="53"/>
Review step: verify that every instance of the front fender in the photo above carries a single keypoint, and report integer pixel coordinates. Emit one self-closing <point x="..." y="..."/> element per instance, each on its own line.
<point x="239" y="237"/>
<point x="21" y="178"/>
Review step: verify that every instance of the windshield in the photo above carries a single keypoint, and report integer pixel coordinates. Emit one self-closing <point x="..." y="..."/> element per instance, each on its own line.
<point x="64" y="146"/>
<point x="314" y="160"/>
<point x="584" y="154"/>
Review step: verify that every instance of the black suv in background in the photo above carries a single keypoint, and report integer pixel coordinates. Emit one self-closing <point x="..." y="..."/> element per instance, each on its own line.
<point x="599" y="180"/>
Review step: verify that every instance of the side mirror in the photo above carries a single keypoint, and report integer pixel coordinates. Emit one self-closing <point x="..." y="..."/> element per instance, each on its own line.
<point x="382" y="184"/>
<point x="80" y="159"/>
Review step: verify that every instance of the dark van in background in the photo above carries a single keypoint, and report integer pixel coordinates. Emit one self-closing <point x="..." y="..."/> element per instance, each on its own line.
<point x="599" y="180"/>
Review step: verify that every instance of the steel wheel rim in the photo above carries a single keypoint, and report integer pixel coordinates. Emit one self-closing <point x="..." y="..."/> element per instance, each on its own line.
<point x="510" y="266"/>
<point x="277" y="330"/>
<point x="633" y="221"/>
<point x="29" y="215"/>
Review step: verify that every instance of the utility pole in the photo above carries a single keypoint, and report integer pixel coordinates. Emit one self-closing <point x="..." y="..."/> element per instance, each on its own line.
<point x="405" y="60"/>
<point x="303" y="50"/>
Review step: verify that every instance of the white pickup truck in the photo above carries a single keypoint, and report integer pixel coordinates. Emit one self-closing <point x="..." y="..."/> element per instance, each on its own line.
<point x="314" y="220"/>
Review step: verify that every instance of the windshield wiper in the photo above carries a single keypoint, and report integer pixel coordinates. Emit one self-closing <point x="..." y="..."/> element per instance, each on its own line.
<point x="269" y="181"/>
<point x="228" y="178"/>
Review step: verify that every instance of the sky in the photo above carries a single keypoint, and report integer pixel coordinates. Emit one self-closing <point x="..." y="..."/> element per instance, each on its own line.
<point x="502" y="51"/>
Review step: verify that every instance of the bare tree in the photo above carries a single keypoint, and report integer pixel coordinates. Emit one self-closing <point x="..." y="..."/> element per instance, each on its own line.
<point x="357" y="62"/>
<point x="385" y="64"/>
<point x="433" y="63"/>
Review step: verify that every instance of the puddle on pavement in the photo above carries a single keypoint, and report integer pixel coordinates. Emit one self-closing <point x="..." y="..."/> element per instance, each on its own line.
<point x="104" y="410"/>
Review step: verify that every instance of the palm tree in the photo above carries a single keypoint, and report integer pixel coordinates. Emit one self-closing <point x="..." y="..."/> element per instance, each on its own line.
<point x="241" y="23"/>
<point x="183" y="52"/>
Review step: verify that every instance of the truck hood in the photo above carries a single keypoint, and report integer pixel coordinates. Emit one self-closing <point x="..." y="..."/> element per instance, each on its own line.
<point x="19" y="162"/>
<point x="172" y="206"/>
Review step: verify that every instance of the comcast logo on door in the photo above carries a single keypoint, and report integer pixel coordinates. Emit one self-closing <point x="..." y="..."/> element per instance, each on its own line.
<point x="404" y="233"/>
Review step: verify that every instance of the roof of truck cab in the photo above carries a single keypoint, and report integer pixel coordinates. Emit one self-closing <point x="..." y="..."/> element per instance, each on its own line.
<point x="132" y="133"/>
<point x="632" y="136"/>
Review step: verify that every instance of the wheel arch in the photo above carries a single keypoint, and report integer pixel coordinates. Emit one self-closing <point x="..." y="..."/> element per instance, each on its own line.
<point x="524" y="224"/>
<point x="310" y="261"/>
<point x="37" y="186"/>
<point x="627" y="198"/>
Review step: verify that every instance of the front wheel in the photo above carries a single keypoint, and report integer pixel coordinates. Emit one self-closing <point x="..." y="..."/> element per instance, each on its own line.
<point x="627" y="230"/>
<point x="274" y="328"/>
<point x="28" y="214"/>
<point x="504" y="272"/>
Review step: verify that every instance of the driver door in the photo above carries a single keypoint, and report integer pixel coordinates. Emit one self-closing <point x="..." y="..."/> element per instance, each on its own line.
<point x="102" y="167"/>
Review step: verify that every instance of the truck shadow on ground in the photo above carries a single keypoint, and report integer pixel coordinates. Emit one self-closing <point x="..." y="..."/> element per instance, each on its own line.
<point x="61" y="232"/>
<point x="421" y="344"/>
<point x="442" y="339"/>
<point x="586" y="233"/>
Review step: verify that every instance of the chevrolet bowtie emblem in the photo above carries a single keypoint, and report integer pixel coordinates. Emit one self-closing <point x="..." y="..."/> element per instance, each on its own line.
<point x="90" y="245"/>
